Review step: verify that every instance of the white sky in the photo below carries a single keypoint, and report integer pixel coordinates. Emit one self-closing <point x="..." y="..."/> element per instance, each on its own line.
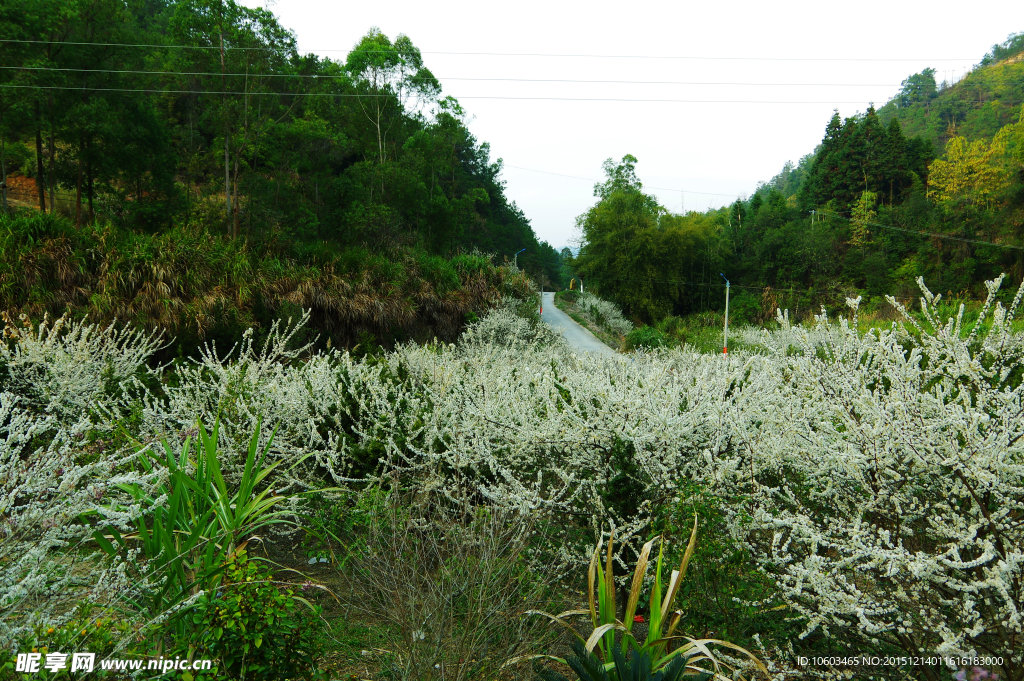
<point x="716" y="148"/>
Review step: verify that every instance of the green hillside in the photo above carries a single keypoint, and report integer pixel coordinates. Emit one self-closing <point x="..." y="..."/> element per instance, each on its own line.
<point x="930" y="185"/>
<point x="149" y="119"/>
<point x="976" y="107"/>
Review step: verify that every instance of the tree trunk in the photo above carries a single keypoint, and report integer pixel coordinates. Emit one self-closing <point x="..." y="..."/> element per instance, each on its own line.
<point x="53" y="204"/>
<point x="88" y="174"/>
<point x="227" y="151"/>
<point x="78" y="193"/>
<point x="234" y="198"/>
<point x="227" y="180"/>
<point x="39" y="160"/>
<point x="3" y="160"/>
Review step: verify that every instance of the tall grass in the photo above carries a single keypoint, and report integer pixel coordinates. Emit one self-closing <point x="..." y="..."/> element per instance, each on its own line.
<point x="196" y="285"/>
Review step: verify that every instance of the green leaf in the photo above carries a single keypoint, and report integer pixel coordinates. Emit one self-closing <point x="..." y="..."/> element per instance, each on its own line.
<point x="107" y="547"/>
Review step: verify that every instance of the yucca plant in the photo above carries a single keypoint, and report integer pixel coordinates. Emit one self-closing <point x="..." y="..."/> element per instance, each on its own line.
<point x="655" y="647"/>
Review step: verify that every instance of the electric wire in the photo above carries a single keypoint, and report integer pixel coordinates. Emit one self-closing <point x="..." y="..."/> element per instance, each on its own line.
<point x="590" y="179"/>
<point x="920" y="233"/>
<point x="491" y="54"/>
<point x="462" y="97"/>
<point x="314" y="76"/>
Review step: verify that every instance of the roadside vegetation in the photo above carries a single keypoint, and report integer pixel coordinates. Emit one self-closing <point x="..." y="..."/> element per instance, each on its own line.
<point x="600" y="317"/>
<point x="196" y="287"/>
<point x="416" y="503"/>
<point x="272" y="395"/>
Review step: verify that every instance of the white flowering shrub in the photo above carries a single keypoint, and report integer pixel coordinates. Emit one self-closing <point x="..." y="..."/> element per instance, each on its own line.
<point x="879" y="475"/>
<point x="605" y="314"/>
<point x="887" y="483"/>
<point x="242" y="388"/>
<point x="69" y="368"/>
<point x="62" y="385"/>
<point x="506" y="326"/>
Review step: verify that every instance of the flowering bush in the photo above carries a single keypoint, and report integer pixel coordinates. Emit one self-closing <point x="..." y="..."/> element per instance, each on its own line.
<point x="886" y="483"/>
<point x="605" y="314"/>
<point x="507" y="327"/>
<point x="876" y="478"/>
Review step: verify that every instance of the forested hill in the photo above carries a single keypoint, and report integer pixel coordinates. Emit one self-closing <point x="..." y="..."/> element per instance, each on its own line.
<point x="931" y="185"/>
<point x="162" y="113"/>
<point x="976" y="107"/>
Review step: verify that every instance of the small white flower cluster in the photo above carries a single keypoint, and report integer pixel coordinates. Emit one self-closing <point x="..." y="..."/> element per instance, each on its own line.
<point x="59" y="385"/>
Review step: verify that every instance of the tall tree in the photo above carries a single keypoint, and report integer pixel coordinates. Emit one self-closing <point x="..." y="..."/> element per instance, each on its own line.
<point x="390" y="78"/>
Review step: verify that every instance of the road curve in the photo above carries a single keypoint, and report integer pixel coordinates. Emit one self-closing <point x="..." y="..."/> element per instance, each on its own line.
<point x="579" y="338"/>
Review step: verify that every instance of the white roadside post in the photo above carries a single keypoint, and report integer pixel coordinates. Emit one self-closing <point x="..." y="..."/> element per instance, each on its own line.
<point x="725" y="332"/>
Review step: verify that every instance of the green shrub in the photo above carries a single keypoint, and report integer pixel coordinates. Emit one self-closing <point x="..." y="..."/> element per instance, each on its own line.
<point x="567" y="296"/>
<point x="672" y="325"/>
<point x="254" y="629"/>
<point x="193" y="522"/>
<point x="654" y="657"/>
<point x="647" y="337"/>
<point x="744" y="308"/>
<point x="86" y="631"/>
<point x="588" y="667"/>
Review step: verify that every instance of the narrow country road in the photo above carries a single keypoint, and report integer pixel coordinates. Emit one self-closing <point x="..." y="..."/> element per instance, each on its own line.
<point x="578" y="338"/>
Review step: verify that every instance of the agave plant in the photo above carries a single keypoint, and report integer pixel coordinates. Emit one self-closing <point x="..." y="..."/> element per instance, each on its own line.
<point x="651" y="657"/>
<point x="639" y="667"/>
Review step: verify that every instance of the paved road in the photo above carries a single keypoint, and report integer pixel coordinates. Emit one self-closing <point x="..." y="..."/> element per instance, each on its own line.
<point x="578" y="338"/>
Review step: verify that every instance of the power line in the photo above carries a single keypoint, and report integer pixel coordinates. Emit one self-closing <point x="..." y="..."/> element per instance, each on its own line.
<point x="694" y="283"/>
<point x="315" y="76"/>
<point x="590" y="179"/>
<point x="503" y="54"/>
<point x="495" y="97"/>
<point x="929" y="234"/>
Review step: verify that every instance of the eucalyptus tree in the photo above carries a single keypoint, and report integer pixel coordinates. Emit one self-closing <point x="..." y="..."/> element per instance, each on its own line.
<point x="390" y="78"/>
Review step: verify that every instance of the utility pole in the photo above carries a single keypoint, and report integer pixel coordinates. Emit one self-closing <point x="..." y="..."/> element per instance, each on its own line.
<point x="725" y="333"/>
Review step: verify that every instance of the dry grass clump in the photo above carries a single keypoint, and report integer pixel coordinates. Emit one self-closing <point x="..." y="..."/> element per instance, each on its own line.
<point x="187" y="283"/>
<point x="449" y="581"/>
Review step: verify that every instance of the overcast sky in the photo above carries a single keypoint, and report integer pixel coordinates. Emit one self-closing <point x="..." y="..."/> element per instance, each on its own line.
<point x="726" y="60"/>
